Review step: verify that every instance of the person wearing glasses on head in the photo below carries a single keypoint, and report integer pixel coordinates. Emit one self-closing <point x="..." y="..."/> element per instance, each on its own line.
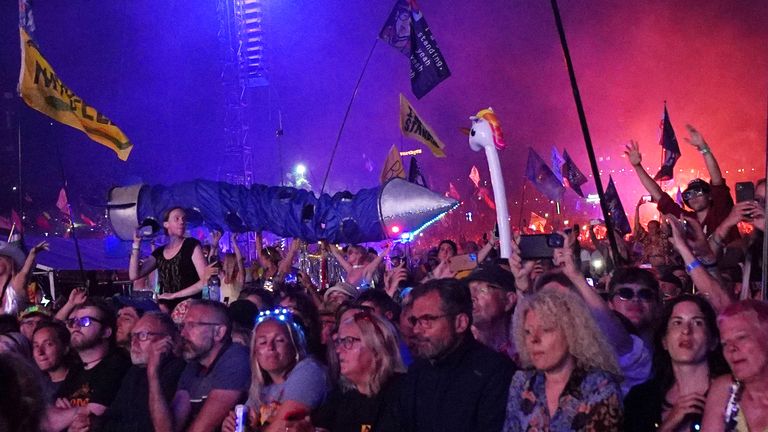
<point x="89" y="390"/>
<point x="286" y="382"/>
<point x="371" y="368"/>
<point x="456" y="383"/>
<point x="215" y="379"/>
<point x="710" y="203"/>
<point x="154" y="344"/>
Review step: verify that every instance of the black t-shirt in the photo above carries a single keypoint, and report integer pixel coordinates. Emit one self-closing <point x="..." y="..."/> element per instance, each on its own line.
<point x="178" y="272"/>
<point x="96" y="385"/>
<point x="351" y="411"/>
<point x="129" y="411"/>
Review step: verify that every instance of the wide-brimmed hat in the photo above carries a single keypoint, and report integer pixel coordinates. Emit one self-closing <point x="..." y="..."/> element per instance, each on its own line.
<point x="14" y="252"/>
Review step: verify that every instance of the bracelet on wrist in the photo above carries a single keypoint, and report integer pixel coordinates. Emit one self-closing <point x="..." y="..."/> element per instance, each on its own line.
<point x="692" y="266"/>
<point x="705" y="150"/>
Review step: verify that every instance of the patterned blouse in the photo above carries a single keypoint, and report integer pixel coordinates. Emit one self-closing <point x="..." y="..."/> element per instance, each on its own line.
<point x="591" y="401"/>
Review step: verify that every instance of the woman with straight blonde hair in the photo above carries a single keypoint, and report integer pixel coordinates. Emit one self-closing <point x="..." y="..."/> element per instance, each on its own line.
<point x="371" y="367"/>
<point x="286" y="382"/>
<point x="572" y="380"/>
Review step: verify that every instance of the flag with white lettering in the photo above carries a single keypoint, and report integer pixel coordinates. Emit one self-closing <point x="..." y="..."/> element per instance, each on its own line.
<point x="414" y="127"/>
<point x="557" y="164"/>
<point x="42" y="90"/>
<point x="407" y="31"/>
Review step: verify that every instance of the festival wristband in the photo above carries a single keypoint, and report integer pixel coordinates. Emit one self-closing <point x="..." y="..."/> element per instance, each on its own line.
<point x="692" y="266"/>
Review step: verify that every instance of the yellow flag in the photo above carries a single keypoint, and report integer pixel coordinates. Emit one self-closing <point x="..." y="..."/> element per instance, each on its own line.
<point x="414" y="127"/>
<point x="393" y="166"/>
<point x="42" y="90"/>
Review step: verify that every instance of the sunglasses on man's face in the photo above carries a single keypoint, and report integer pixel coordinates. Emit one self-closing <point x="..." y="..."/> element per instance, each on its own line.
<point x="645" y="294"/>
<point x="85" y="321"/>
<point x="690" y="194"/>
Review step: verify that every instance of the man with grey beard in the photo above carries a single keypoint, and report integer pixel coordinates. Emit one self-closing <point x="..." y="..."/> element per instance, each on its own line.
<point x="130" y="410"/>
<point x="216" y="378"/>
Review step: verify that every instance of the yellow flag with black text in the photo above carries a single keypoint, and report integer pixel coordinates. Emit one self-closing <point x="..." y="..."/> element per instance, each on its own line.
<point x="42" y="90"/>
<point x="414" y="127"/>
<point x="393" y="166"/>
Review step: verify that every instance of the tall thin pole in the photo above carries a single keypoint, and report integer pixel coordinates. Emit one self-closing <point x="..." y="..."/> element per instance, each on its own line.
<point x="522" y="204"/>
<point x="764" y="278"/>
<point x="585" y="131"/>
<point x="346" y="115"/>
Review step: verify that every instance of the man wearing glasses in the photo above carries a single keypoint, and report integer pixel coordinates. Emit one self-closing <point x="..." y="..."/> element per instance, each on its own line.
<point x="216" y="378"/>
<point x="456" y="383"/>
<point x="88" y="391"/>
<point x="155" y="337"/>
<point x="710" y="202"/>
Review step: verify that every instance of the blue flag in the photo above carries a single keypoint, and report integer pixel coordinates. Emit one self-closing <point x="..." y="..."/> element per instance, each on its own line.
<point x="407" y="31"/>
<point x="573" y="176"/>
<point x="542" y="177"/>
<point x="616" y="210"/>
<point x="557" y="164"/>
<point x="670" y="149"/>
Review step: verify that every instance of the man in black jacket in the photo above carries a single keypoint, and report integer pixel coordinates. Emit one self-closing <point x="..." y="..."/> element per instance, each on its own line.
<point x="457" y="384"/>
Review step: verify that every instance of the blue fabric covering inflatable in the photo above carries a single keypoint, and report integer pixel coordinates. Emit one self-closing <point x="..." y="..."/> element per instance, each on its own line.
<point x="285" y="211"/>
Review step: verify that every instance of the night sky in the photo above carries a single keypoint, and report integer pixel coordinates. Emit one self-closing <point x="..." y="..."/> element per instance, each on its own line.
<point x="154" y="68"/>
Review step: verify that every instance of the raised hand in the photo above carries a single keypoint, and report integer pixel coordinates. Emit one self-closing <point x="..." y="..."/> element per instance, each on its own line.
<point x="520" y="269"/>
<point x="77" y="296"/>
<point x="695" y="139"/>
<point x="157" y="351"/>
<point x="632" y="151"/>
<point x="689" y="404"/>
<point x="42" y="246"/>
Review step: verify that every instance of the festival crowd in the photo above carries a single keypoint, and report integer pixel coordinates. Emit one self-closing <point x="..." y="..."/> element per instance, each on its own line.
<point x="669" y="333"/>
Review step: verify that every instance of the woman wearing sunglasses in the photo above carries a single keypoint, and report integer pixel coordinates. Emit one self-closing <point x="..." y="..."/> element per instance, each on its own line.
<point x="687" y="358"/>
<point x="286" y="383"/>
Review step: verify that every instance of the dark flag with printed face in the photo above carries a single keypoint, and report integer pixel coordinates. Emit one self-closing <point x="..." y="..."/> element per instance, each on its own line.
<point x="670" y="148"/>
<point x="616" y="210"/>
<point x="408" y="32"/>
<point x="572" y="175"/>
<point x="542" y="177"/>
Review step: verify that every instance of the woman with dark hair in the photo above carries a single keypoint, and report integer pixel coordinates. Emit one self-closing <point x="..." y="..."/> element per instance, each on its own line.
<point x="687" y="357"/>
<point x="274" y="267"/>
<point x="301" y="305"/>
<point x="53" y="355"/>
<point x="181" y="265"/>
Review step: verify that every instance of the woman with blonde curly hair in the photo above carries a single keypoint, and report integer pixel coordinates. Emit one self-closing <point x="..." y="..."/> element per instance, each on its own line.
<point x="572" y="383"/>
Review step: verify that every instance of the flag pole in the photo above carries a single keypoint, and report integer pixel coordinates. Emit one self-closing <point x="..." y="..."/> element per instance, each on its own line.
<point x="522" y="204"/>
<point x="71" y="220"/>
<point x="764" y="277"/>
<point x="346" y="115"/>
<point x="587" y="139"/>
